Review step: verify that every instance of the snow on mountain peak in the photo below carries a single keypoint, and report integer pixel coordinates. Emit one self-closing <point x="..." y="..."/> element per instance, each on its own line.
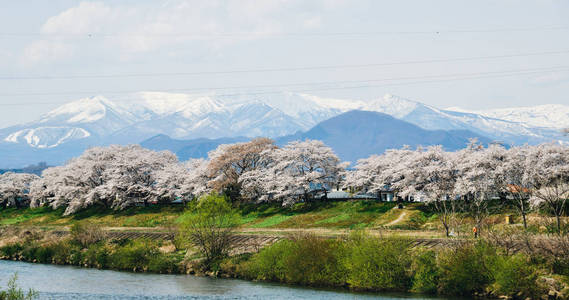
<point x="392" y="105"/>
<point x="84" y="110"/>
<point x="47" y="137"/>
<point x="541" y="116"/>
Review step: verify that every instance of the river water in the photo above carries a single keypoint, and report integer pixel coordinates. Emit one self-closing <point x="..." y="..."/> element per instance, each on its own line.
<point x="66" y="282"/>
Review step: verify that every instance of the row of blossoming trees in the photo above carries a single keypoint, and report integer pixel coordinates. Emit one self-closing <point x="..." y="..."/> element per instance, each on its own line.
<point x="466" y="180"/>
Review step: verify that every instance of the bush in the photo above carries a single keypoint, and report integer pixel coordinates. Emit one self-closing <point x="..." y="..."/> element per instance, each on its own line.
<point x="304" y="260"/>
<point x="86" y="233"/>
<point x="11" y="250"/>
<point x="270" y="263"/>
<point x="209" y="225"/>
<point x="378" y="264"/>
<point x="514" y="275"/>
<point x="425" y="273"/>
<point x="135" y="255"/>
<point x="315" y="261"/>
<point x="97" y="255"/>
<point x="465" y="270"/>
<point x="66" y="252"/>
<point x="163" y="263"/>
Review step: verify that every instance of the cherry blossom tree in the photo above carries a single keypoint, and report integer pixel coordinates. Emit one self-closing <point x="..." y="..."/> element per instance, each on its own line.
<point x="548" y="175"/>
<point x="379" y="172"/>
<point x="186" y="180"/>
<point x="480" y="174"/>
<point x="14" y="188"/>
<point x="229" y="162"/>
<point x="114" y="176"/>
<point x="432" y="171"/>
<point x="516" y="185"/>
<point x="301" y="167"/>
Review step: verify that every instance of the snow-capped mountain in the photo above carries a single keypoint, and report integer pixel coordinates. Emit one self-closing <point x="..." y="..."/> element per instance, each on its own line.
<point x="77" y="125"/>
<point x="541" y="116"/>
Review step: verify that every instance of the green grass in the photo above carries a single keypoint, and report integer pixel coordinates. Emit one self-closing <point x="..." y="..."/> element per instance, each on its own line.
<point x="132" y="217"/>
<point x="271" y="221"/>
<point x="339" y="214"/>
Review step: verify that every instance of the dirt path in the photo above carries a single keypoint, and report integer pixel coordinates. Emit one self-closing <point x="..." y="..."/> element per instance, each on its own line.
<point x="399" y="219"/>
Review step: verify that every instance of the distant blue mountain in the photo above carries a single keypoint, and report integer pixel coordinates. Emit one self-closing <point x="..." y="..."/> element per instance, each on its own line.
<point x="186" y="149"/>
<point x="358" y="134"/>
<point x="352" y="135"/>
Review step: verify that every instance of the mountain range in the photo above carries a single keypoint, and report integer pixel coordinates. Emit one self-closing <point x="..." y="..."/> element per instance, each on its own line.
<point x="205" y="120"/>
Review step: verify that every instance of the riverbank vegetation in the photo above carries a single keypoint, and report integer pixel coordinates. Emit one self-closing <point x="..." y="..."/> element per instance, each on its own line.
<point x="360" y="262"/>
<point x="13" y="292"/>
<point x="363" y="262"/>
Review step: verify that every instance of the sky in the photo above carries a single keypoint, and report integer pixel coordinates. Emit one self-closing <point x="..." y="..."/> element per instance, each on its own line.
<point x="471" y="54"/>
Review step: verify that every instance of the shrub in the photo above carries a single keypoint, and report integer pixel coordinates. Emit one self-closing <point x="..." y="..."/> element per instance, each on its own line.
<point x="315" y="261"/>
<point x="514" y="275"/>
<point x="29" y="251"/>
<point x="209" y="225"/>
<point x="378" y="264"/>
<point x="134" y="255"/>
<point x="306" y="260"/>
<point x="44" y="254"/>
<point x="86" y="233"/>
<point x="270" y="263"/>
<point x="163" y="263"/>
<point x="97" y="255"/>
<point x="464" y="270"/>
<point x="11" y="250"/>
<point x="66" y="252"/>
<point x="425" y="273"/>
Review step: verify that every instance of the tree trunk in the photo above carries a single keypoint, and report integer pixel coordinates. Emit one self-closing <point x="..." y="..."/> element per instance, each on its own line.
<point x="523" y="210"/>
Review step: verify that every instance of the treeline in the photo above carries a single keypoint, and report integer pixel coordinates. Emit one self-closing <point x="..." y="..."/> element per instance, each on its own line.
<point x="453" y="182"/>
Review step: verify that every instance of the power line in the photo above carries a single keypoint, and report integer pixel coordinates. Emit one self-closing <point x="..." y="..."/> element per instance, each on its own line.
<point x="215" y="35"/>
<point x="284" y="69"/>
<point x="434" y="79"/>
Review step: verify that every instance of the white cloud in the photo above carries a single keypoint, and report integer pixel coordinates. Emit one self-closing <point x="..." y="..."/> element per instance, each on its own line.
<point x="46" y="51"/>
<point x="131" y="30"/>
<point x="87" y="17"/>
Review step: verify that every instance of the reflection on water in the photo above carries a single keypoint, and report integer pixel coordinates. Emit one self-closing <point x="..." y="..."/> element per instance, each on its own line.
<point x="64" y="282"/>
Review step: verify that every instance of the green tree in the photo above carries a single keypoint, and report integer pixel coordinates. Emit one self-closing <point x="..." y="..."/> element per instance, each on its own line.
<point x="209" y="225"/>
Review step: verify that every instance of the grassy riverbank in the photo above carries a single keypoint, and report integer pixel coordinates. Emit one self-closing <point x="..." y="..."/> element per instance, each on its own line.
<point x="358" y="262"/>
<point x="336" y="215"/>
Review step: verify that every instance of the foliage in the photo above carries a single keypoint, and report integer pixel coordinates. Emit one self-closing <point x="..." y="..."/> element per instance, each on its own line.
<point x="209" y="225"/>
<point x="378" y="264"/>
<point x="515" y="275"/>
<point x="134" y="255"/>
<point x="465" y="269"/>
<point x="139" y="255"/>
<point x="15" y="293"/>
<point x="86" y="233"/>
<point x="426" y="274"/>
<point x="306" y="260"/>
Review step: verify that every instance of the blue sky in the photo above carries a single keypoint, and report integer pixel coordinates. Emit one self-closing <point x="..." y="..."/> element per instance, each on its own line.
<point x="99" y="47"/>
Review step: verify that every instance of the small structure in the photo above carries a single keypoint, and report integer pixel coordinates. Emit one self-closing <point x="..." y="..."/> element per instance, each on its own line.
<point x="509" y="219"/>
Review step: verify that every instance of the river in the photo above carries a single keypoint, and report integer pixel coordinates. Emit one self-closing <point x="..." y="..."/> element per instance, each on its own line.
<point x="66" y="282"/>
